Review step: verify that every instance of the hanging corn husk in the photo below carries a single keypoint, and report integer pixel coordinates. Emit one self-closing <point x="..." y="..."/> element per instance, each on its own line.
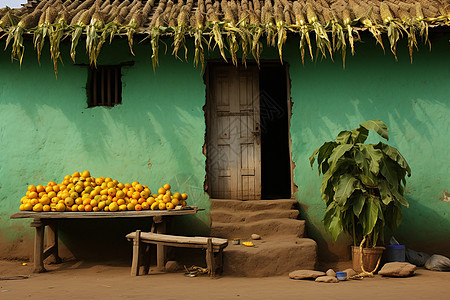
<point x="215" y="26"/>
<point x="15" y="33"/>
<point x="338" y="38"/>
<point x="420" y="23"/>
<point x="347" y="24"/>
<point x="302" y="25"/>
<point x="281" y="30"/>
<point x="410" y="31"/>
<point x="135" y="22"/>
<point x="197" y="33"/>
<point x="44" y="28"/>
<point x="244" y="32"/>
<point x="255" y="31"/>
<point x="231" y="30"/>
<point x="322" y="41"/>
<point x="268" y="23"/>
<point x="55" y="36"/>
<point x="181" y="31"/>
<point x="363" y="14"/>
<point x="94" y="40"/>
<point x="155" y="32"/>
<point x="394" y="27"/>
<point x="9" y="19"/>
<point x="82" y="22"/>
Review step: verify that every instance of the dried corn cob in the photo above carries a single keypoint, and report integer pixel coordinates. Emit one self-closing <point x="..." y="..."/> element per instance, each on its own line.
<point x="181" y="31"/>
<point x="55" y="36"/>
<point x="322" y="41"/>
<point x="394" y="28"/>
<point x="301" y="23"/>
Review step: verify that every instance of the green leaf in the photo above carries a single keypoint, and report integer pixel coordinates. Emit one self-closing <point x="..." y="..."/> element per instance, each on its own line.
<point x="359" y="135"/>
<point x="358" y="204"/>
<point x="345" y="188"/>
<point x="335" y="227"/>
<point x="373" y="156"/>
<point x="369" y="216"/>
<point x="324" y="153"/>
<point x="378" y="126"/>
<point x="343" y="137"/>
<point x="395" y="155"/>
<point x="367" y="177"/>
<point x="337" y="153"/>
<point x="385" y="192"/>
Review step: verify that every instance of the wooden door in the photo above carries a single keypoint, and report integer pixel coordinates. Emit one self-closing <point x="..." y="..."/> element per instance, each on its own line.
<point x="233" y="133"/>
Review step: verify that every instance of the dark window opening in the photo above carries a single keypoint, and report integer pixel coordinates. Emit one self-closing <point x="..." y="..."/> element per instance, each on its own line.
<point x="104" y="86"/>
<point x="275" y="158"/>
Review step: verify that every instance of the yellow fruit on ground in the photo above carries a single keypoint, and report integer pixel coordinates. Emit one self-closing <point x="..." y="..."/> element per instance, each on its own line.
<point x="169" y="206"/>
<point x="113" y="206"/>
<point x="60" y="207"/>
<point x="161" y="191"/>
<point x="167" y="186"/>
<point x="27" y="206"/>
<point x="154" y="206"/>
<point x="46" y="208"/>
<point x="161" y="205"/>
<point x="184" y="196"/>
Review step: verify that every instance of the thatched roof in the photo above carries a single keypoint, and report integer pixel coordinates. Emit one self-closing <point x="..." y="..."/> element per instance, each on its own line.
<point x="329" y="25"/>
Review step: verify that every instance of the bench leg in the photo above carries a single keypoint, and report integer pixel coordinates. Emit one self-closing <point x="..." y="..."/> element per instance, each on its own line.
<point x="219" y="261"/>
<point x="160" y="249"/>
<point x="38" y="246"/>
<point x="135" y="264"/>
<point x="146" y="259"/>
<point x="210" y="259"/>
<point x="52" y="240"/>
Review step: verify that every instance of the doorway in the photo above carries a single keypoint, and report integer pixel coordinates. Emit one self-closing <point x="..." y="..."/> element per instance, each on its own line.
<point x="247" y="132"/>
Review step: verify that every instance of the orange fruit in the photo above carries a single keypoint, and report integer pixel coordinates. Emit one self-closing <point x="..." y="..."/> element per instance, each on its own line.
<point x="76" y="174"/>
<point x="46" y="208"/>
<point x="120" y="201"/>
<point x="183" y="203"/>
<point x="88" y="207"/>
<point x="175" y="201"/>
<point x="28" y="206"/>
<point x="56" y="188"/>
<point x="161" y="205"/>
<point x="45" y="200"/>
<point x="169" y="206"/>
<point x="167" y="186"/>
<point x="138" y="207"/>
<point x="120" y="185"/>
<point x="128" y="185"/>
<point x="120" y="194"/>
<point x="81" y="207"/>
<point x="40" y="188"/>
<point x="86" y="174"/>
<point x="141" y="200"/>
<point x="107" y="179"/>
<point x="168" y="193"/>
<point x="34" y="201"/>
<point x="62" y="187"/>
<point x="138" y="187"/>
<point x="131" y="206"/>
<point x="112" y="192"/>
<point x="38" y="207"/>
<point x="161" y="191"/>
<point x="113" y="206"/>
<point x="134" y="183"/>
<point x="177" y="195"/>
<point x="51" y="195"/>
<point x="123" y="207"/>
<point x="145" y="206"/>
<point x="67" y="177"/>
<point x="151" y="200"/>
<point x="48" y="189"/>
<point x="166" y="198"/>
<point x="79" y="201"/>
<point x="99" y="180"/>
<point x="136" y="195"/>
<point x="144" y="194"/>
<point x="42" y="194"/>
<point x="31" y="188"/>
<point x="74" y="207"/>
<point x="184" y="196"/>
<point x="32" y="195"/>
<point x="94" y="203"/>
<point x="95" y="208"/>
<point x="55" y="199"/>
<point x="147" y="190"/>
<point x="60" y="207"/>
<point x="154" y="206"/>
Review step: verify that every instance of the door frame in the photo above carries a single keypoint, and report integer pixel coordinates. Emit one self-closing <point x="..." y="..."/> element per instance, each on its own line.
<point x="289" y="103"/>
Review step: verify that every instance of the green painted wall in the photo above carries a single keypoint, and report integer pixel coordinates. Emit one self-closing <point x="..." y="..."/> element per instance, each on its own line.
<point x="156" y="135"/>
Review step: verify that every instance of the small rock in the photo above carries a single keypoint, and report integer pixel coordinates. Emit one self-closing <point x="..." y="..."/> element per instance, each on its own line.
<point x="305" y="274"/>
<point x="331" y="272"/>
<point x="172" y="266"/>
<point x="327" y="279"/>
<point x="397" y="269"/>
<point x="256" y="236"/>
<point x="350" y="272"/>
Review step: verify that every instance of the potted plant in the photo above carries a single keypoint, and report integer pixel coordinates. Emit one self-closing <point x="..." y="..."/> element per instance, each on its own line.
<point x="363" y="188"/>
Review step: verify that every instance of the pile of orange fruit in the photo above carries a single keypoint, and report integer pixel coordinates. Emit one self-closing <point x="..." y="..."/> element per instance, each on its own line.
<point x="82" y="192"/>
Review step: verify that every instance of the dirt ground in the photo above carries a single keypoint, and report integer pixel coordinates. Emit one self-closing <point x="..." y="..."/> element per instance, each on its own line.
<point x="88" y="280"/>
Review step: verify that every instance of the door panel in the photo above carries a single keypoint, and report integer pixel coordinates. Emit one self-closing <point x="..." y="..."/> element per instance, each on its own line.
<point x="233" y="137"/>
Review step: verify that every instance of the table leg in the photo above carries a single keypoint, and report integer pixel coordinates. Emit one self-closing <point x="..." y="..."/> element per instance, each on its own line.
<point x="38" y="246"/>
<point x="160" y="249"/>
<point x="52" y="240"/>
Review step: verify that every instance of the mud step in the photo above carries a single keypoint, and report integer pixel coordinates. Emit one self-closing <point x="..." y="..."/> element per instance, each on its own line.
<point x="253" y="205"/>
<point x="265" y="228"/>
<point x="270" y="258"/>
<point x="225" y="216"/>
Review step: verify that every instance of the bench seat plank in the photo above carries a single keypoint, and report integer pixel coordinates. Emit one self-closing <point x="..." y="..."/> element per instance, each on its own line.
<point x="169" y="239"/>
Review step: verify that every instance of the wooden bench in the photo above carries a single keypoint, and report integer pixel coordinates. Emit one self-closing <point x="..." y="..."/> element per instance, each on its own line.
<point x="141" y="257"/>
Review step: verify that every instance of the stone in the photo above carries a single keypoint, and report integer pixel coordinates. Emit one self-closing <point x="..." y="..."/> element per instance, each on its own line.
<point x="397" y="269"/>
<point x="350" y="272"/>
<point x="327" y="279"/>
<point x="172" y="266"/>
<point x="331" y="272"/>
<point x="305" y="274"/>
<point x="256" y="236"/>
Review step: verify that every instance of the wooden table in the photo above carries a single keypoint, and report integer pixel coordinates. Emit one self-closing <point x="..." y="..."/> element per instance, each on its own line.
<point x="50" y="219"/>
